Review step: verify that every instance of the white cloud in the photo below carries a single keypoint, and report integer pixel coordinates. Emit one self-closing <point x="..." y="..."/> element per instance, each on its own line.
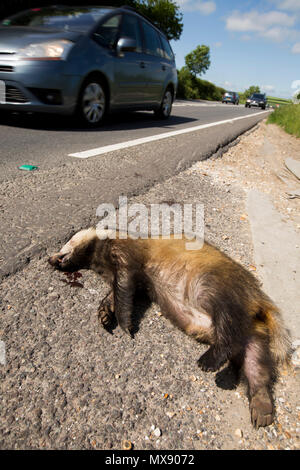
<point x="295" y="84"/>
<point x="296" y="48"/>
<point x="275" y="26"/>
<point x="278" y="34"/>
<point x="292" y="5"/>
<point x="218" y="44"/>
<point x="205" y="7"/>
<point x="258" y="22"/>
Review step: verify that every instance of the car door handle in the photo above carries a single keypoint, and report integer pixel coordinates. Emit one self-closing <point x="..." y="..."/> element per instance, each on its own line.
<point x="142" y="65"/>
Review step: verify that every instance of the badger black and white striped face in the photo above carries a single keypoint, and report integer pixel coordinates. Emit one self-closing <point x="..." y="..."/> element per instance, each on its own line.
<point x="76" y="253"/>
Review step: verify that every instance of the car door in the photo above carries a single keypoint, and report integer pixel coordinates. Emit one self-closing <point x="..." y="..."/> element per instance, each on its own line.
<point x="168" y="62"/>
<point x="154" y="62"/>
<point x="130" y="73"/>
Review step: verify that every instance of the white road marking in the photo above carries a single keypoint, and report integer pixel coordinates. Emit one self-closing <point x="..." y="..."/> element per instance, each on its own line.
<point x="208" y="105"/>
<point x="144" y="140"/>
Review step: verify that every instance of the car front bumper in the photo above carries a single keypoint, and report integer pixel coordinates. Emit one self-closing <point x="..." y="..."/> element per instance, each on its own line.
<point x="37" y="86"/>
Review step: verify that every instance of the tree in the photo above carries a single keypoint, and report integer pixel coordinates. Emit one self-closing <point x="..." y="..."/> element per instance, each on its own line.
<point x="198" y="60"/>
<point x="252" y="89"/>
<point x="164" y="13"/>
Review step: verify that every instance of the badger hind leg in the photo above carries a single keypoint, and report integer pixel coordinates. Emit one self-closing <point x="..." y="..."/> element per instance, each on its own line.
<point x="258" y="369"/>
<point x="227" y="341"/>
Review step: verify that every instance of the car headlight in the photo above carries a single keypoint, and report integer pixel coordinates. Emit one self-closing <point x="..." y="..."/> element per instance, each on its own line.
<point x="54" y="50"/>
<point x="248" y="101"/>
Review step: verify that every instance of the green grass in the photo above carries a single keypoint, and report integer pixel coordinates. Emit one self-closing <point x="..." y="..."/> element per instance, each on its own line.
<point x="288" y="117"/>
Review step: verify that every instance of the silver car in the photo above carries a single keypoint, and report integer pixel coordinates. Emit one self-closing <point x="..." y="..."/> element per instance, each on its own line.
<point x="85" y="61"/>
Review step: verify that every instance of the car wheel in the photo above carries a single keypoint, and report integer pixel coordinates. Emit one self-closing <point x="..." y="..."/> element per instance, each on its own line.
<point x="92" y="102"/>
<point x="165" y="108"/>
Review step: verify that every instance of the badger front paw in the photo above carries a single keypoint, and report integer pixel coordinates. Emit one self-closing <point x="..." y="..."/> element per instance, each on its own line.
<point x="106" y="312"/>
<point x="105" y="315"/>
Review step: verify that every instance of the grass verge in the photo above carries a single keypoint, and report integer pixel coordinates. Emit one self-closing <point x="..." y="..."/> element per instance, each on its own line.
<point x="288" y="117"/>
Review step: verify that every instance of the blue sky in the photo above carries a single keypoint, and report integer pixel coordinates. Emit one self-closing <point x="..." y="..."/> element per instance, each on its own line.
<point x="252" y="42"/>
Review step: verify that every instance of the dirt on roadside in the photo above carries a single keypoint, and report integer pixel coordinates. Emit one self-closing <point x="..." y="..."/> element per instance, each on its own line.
<point x="258" y="161"/>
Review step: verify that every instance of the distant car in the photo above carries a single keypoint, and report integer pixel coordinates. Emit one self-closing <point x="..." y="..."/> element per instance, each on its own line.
<point x="258" y="100"/>
<point x="85" y="60"/>
<point x="231" y="97"/>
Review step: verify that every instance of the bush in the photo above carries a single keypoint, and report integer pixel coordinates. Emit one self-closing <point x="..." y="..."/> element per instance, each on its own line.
<point x="191" y="87"/>
<point x="288" y="117"/>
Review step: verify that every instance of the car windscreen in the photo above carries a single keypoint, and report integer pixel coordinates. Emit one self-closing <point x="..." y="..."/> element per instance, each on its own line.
<point x="56" y="17"/>
<point x="229" y="93"/>
<point x="258" y="97"/>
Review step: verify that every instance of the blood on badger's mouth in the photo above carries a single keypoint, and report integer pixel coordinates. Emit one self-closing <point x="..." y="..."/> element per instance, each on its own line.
<point x="58" y="259"/>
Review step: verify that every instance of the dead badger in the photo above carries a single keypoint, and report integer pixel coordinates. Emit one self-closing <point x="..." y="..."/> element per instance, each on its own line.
<point x="203" y="292"/>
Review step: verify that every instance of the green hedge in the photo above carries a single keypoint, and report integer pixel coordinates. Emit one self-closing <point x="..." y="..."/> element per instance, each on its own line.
<point x="190" y="87"/>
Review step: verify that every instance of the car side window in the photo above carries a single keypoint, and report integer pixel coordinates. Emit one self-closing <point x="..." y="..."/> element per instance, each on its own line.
<point x="151" y="40"/>
<point x="130" y="28"/>
<point x="168" y="53"/>
<point x="107" y="32"/>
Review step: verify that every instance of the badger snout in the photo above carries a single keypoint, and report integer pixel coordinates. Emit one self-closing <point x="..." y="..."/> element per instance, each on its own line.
<point x="58" y="260"/>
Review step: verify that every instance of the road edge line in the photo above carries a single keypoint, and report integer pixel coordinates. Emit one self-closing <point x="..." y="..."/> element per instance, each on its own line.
<point x="144" y="140"/>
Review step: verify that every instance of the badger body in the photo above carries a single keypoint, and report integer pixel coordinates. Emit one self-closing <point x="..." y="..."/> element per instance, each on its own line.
<point x="203" y="292"/>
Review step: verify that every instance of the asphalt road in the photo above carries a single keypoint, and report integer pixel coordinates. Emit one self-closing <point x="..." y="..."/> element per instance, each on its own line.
<point x="47" y="141"/>
<point x="41" y="209"/>
<point x="67" y="383"/>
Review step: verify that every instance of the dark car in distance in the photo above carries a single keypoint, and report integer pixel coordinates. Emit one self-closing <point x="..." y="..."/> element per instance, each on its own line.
<point x="258" y="100"/>
<point x="231" y="97"/>
<point x="85" y="61"/>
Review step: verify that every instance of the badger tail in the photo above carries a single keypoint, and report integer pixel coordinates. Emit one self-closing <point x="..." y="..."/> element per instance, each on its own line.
<point x="279" y="337"/>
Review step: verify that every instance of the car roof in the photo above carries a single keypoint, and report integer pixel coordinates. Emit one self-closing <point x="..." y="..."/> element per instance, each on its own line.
<point x="113" y="10"/>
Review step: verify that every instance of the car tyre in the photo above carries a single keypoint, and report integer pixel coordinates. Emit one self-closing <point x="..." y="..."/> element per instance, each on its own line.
<point x="92" y="102"/>
<point x="165" y="108"/>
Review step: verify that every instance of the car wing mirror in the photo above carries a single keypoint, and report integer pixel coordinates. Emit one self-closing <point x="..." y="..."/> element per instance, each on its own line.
<point x="125" y="45"/>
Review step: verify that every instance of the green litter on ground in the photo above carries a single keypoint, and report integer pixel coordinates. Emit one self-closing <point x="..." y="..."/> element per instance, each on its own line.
<point x="28" y="167"/>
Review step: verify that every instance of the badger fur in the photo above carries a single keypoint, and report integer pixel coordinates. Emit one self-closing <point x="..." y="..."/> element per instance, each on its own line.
<point x="203" y="292"/>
